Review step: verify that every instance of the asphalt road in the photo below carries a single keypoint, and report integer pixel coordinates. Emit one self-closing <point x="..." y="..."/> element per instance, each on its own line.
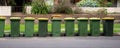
<point x="60" y="42"/>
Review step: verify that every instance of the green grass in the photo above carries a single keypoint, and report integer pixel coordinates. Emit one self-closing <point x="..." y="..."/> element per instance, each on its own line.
<point x="22" y="28"/>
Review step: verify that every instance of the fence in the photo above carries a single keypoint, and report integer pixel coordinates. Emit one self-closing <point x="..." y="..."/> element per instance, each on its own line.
<point x="56" y="26"/>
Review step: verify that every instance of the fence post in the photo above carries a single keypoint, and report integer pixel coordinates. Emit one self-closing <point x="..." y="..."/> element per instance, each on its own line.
<point x="56" y="25"/>
<point x="69" y="26"/>
<point x="43" y="27"/>
<point x="95" y="26"/>
<point x="29" y="26"/>
<point x="15" y="26"/>
<point x="2" y="26"/>
<point x="83" y="26"/>
<point x="108" y="23"/>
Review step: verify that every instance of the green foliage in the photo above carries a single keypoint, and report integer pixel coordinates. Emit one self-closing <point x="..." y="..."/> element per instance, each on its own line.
<point x="39" y="7"/>
<point x="11" y="2"/>
<point x="88" y="3"/>
<point x="104" y="4"/>
<point x="109" y="4"/>
<point x="27" y="4"/>
<point x="94" y="3"/>
<point x="7" y="2"/>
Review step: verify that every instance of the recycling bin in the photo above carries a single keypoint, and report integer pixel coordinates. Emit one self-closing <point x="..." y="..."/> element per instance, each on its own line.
<point x="95" y="26"/>
<point x="43" y="27"/>
<point x="69" y="26"/>
<point x="83" y="26"/>
<point x="56" y="25"/>
<point x="2" y="26"/>
<point x="15" y="26"/>
<point x="108" y="23"/>
<point x="29" y="26"/>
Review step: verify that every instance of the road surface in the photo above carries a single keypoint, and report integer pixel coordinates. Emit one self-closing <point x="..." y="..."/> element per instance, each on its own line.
<point x="60" y="42"/>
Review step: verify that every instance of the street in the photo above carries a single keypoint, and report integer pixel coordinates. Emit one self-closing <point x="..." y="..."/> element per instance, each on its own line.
<point x="60" y="42"/>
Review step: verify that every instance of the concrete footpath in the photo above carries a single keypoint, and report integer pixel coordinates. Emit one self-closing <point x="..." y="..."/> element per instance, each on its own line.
<point x="60" y="42"/>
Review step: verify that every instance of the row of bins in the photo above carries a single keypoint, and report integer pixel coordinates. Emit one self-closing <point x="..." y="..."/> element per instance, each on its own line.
<point x="108" y="23"/>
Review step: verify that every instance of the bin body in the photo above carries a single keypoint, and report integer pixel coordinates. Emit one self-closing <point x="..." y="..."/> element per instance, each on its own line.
<point x="95" y="27"/>
<point x="69" y="27"/>
<point x="15" y="27"/>
<point x="108" y="27"/>
<point x="2" y="26"/>
<point x="43" y="28"/>
<point x="29" y="28"/>
<point x="83" y="27"/>
<point x="56" y="27"/>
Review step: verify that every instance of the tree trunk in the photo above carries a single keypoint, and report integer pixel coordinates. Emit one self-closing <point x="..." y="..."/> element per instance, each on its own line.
<point x="105" y="2"/>
<point x="56" y="2"/>
<point x="5" y="2"/>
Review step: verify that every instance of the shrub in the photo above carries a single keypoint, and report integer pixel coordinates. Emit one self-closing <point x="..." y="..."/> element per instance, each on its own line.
<point x="40" y="7"/>
<point x="94" y="3"/>
<point x="109" y="4"/>
<point x="78" y="10"/>
<point x="102" y="11"/>
<point x="63" y="8"/>
<point x="88" y="3"/>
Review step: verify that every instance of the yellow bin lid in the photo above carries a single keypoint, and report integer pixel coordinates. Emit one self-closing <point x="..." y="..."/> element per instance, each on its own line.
<point x="82" y="18"/>
<point x="94" y="18"/>
<point x="69" y="18"/>
<point x="1" y="17"/>
<point x="42" y="18"/>
<point x="56" y="15"/>
<point x="108" y="18"/>
<point x="18" y="18"/>
<point x="29" y="18"/>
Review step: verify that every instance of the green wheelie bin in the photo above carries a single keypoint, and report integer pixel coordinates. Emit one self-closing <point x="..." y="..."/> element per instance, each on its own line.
<point x="43" y="27"/>
<point x="108" y="23"/>
<point x="2" y="26"/>
<point x="15" y="26"/>
<point x="29" y="26"/>
<point x="95" y="26"/>
<point x="56" y="25"/>
<point x="83" y="26"/>
<point x="69" y="26"/>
